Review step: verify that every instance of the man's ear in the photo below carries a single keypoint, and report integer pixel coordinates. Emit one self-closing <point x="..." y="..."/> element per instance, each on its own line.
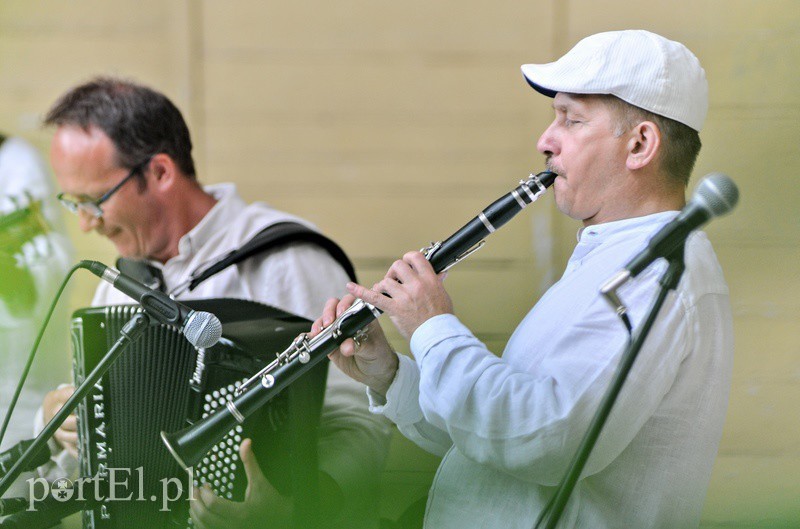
<point x="164" y="171"/>
<point x="644" y="144"/>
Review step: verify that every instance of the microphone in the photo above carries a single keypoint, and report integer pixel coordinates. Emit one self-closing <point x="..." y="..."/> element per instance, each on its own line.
<point x="14" y="454"/>
<point x="202" y="329"/>
<point x="715" y="196"/>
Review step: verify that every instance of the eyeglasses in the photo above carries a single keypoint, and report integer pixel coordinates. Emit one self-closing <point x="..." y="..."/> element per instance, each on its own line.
<point x="92" y="207"/>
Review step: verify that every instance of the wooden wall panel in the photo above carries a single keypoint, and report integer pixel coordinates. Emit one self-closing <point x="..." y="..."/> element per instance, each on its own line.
<point x="387" y="125"/>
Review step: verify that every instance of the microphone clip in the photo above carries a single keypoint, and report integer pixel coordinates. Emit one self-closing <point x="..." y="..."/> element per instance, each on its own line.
<point x="669" y="281"/>
<point x="609" y="291"/>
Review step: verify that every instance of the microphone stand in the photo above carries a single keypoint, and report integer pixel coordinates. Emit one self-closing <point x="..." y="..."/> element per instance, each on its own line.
<point x="132" y="330"/>
<point x="555" y="507"/>
<point x="50" y="511"/>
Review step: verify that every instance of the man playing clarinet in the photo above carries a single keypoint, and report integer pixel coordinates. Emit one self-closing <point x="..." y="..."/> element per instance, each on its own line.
<point x="628" y="108"/>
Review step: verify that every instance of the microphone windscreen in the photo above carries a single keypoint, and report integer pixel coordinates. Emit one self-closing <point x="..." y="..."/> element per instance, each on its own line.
<point x="202" y="329"/>
<point x="717" y="193"/>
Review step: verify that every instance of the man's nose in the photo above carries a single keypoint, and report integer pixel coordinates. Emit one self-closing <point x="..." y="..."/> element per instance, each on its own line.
<point x="548" y="144"/>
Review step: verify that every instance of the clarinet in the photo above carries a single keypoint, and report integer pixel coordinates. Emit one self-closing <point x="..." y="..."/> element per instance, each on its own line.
<point x="190" y="445"/>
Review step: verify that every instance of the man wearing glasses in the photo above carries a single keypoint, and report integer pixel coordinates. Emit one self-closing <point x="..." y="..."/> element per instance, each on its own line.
<point x="122" y="158"/>
<point x="92" y="207"/>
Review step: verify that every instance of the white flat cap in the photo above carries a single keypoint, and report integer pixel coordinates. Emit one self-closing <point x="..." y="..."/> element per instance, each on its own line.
<point x="640" y="67"/>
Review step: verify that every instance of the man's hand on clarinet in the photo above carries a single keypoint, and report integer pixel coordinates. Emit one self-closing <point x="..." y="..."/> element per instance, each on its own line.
<point x="411" y="293"/>
<point x="371" y="361"/>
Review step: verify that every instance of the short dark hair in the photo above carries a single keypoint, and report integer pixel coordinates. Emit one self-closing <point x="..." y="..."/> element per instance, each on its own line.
<point x="681" y="143"/>
<point x="139" y="121"/>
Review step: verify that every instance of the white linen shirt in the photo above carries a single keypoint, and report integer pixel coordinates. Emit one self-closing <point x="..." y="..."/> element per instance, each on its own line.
<point x="509" y="426"/>
<point x="298" y="278"/>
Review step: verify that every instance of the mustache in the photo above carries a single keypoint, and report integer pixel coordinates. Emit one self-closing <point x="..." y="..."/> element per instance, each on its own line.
<point x="551" y="167"/>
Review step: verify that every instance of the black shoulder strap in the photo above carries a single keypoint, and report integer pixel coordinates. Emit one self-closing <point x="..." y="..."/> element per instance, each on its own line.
<point x="142" y="271"/>
<point x="2" y="138"/>
<point x="272" y="237"/>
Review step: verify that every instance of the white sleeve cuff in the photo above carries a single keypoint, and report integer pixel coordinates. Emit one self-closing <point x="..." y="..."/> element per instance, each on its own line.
<point x="401" y="403"/>
<point x="433" y="331"/>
